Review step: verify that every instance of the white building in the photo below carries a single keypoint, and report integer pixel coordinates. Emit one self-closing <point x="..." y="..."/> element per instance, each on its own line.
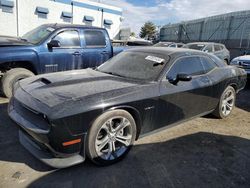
<point x="20" y="16"/>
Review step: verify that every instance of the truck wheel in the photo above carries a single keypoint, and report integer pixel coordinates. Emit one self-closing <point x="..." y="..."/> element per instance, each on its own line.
<point x="11" y="77"/>
<point x="110" y="137"/>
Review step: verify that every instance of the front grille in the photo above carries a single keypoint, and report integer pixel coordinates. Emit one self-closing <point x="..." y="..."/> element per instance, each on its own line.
<point x="31" y="115"/>
<point x="244" y="62"/>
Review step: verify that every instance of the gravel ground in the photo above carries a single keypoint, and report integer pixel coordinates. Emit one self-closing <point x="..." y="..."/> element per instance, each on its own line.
<point x="204" y="152"/>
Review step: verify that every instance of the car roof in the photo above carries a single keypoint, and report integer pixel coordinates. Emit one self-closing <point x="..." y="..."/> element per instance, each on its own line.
<point x="167" y="51"/>
<point x="59" y="26"/>
<point x="205" y="43"/>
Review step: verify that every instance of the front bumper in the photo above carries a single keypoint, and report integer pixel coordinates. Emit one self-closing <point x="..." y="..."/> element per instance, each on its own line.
<point x="38" y="138"/>
<point x="47" y="157"/>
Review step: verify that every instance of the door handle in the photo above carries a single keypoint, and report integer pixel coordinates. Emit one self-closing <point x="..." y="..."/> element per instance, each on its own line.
<point x="76" y="53"/>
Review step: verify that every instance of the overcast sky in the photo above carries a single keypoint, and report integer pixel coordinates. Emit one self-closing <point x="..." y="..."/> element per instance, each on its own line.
<point x="161" y="12"/>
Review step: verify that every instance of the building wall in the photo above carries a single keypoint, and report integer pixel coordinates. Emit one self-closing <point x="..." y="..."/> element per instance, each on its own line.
<point x="232" y="29"/>
<point x="8" y="20"/>
<point x="24" y="16"/>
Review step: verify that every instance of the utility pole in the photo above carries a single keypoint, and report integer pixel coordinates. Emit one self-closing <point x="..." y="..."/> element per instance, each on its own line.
<point x="17" y="20"/>
<point x="101" y="9"/>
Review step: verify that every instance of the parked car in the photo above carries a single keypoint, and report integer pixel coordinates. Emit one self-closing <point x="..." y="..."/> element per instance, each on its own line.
<point x="169" y="44"/>
<point x="242" y="62"/>
<point x="68" y="116"/>
<point x="52" y="48"/>
<point x="217" y="49"/>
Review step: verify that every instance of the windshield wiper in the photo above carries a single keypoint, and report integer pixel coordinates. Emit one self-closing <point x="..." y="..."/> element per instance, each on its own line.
<point x="24" y="39"/>
<point x="112" y="73"/>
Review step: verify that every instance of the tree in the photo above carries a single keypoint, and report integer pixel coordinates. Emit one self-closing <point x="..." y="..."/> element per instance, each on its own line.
<point x="148" y="30"/>
<point x="132" y="34"/>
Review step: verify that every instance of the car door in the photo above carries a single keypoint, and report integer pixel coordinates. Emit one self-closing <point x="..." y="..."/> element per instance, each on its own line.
<point x="66" y="56"/>
<point x="186" y="99"/>
<point x="97" y="48"/>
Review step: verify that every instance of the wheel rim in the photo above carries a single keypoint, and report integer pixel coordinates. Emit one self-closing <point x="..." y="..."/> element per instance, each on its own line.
<point x="113" y="138"/>
<point x="227" y="103"/>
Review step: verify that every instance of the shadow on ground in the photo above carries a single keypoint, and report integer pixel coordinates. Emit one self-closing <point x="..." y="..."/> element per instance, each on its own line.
<point x="11" y="149"/>
<point x="198" y="160"/>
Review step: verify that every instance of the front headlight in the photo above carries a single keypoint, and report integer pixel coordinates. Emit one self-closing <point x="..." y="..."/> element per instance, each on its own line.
<point x="234" y="62"/>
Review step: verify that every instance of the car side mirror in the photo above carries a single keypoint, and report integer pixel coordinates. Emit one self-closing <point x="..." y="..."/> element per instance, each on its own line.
<point x="180" y="77"/>
<point x="53" y="44"/>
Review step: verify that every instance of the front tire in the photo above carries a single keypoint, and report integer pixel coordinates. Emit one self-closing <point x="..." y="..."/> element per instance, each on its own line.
<point x="11" y="77"/>
<point x="226" y="104"/>
<point x="110" y="137"/>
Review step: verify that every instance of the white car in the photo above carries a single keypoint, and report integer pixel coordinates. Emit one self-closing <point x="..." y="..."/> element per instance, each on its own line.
<point x="242" y="62"/>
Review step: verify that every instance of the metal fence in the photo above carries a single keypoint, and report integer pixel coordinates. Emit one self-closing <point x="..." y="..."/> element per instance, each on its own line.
<point x="232" y="29"/>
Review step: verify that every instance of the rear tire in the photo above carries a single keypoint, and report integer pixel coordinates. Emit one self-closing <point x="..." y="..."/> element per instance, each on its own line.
<point x="110" y="137"/>
<point x="226" y="104"/>
<point x="11" y="77"/>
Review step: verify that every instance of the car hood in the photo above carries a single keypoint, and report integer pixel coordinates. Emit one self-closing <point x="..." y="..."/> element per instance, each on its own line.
<point x="78" y="85"/>
<point x="242" y="58"/>
<point x="12" y="41"/>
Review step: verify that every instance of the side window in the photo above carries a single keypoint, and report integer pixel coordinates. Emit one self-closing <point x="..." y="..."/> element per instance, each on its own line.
<point x="217" y="48"/>
<point x="188" y="65"/>
<point x="209" y="48"/>
<point x="69" y="38"/>
<point x="173" y="46"/>
<point x="94" y="38"/>
<point x="207" y="64"/>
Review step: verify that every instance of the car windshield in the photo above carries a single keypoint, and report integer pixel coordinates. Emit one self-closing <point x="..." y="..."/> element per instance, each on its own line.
<point x="135" y="65"/>
<point x="162" y="44"/>
<point x="38" y="34"/>
<point x="194" y="46"/>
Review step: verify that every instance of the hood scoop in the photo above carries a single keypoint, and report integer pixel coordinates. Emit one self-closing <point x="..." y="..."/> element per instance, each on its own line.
<point x="45" y="81"/>
<point x="38" y="83"/>
<point x="42" y="80"/>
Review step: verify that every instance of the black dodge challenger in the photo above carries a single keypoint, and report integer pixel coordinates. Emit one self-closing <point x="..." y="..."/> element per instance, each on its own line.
<point x="68" y="116"/>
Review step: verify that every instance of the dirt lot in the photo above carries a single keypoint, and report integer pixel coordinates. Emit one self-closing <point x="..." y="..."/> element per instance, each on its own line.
<point x="204" y="152"/>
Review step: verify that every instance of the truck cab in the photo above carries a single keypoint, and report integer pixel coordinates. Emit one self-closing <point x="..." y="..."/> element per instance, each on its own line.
<point x="51" y="48"/>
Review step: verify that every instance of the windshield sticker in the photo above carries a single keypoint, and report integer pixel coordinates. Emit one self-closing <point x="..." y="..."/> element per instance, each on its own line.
<point x="155" y="59"/>
<point x="50" y="29"/>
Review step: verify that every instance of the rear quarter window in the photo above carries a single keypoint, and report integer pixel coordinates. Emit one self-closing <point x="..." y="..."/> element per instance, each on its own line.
<point x="218" y="48"/>
<point x="207" y="64"/>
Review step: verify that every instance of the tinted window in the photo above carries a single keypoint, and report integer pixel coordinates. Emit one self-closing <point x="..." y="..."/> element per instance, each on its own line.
<point x="68" y="38"/>
<point x="194" y="46"/>
<point x="208" y="64"/>
<point x="172" y="45"/>
<point x="162" y="44"/>
<point x="135" y="65"/>
<point x="94" y="38"/>
<point x="209" y="48"/>
<point x="188" y="65"/>
<point x="217" y="48"/>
